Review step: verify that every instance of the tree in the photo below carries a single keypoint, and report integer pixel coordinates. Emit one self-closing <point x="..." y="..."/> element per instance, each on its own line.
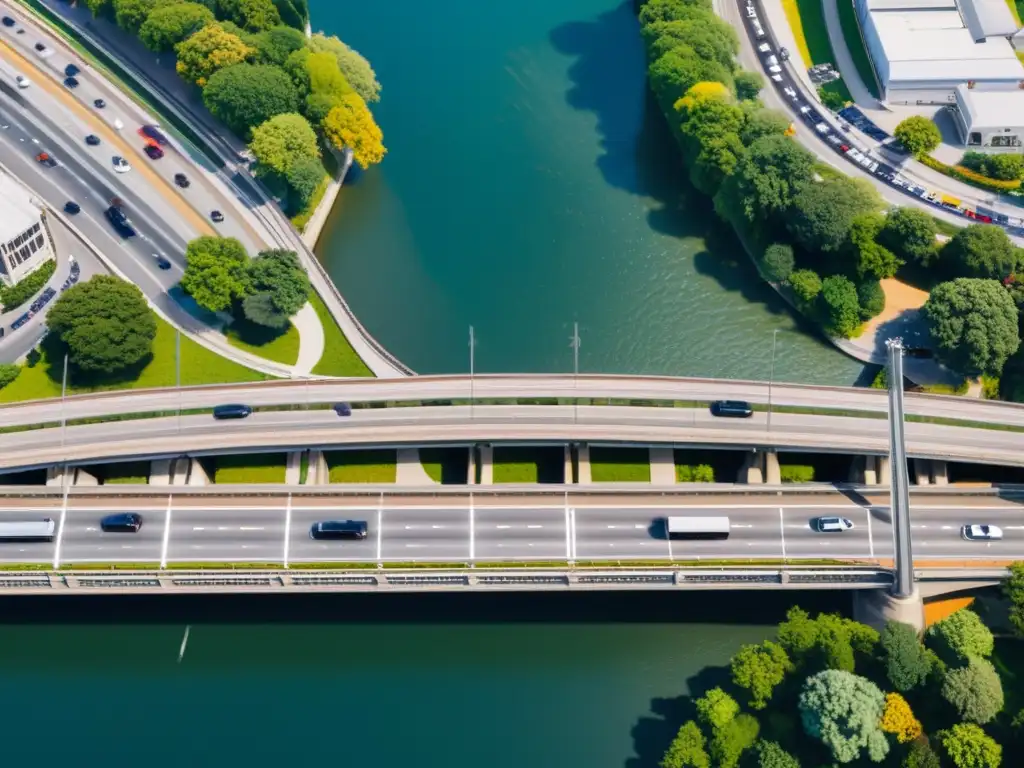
<point x="910" y="234"/>
<point x="208" y="51"/>
<point x="759" y="668"/>
<point x="731" y="740"/>
<point x="325" y="76"/>
<point x="961" y="635"/>
<point x="868" y="257"/>
<point x="717" y="708"/>
<point x="974" y="326"/>
<point x="768" y="177"/>
<point x="250" y="15"/>
<point x="840" y="305"/>
<point x="169" y="25"/>
<point x="282" y="140"/>
<point x="215" y="272"/>
<point x="105" y="323"/>
<point x="1004" y="167"/>
<point x="822" y="213"/>
<point x="1013" y="590"/>
<point x="129" y="14"/>
<point x="871" y="297"/>
<point x="771" y="755"/>
<point x="981" y="250"/>
<point x="920" y="756"/>
<point x="351" y="125"/>
<point x="778" y="262"/>
<point x="709" y="37"/>
<point x="654" y="11"/>
<point x="276" y="44"/>
<point x="8" y="373"/>
<point x="968" y="746"/>
<point x="761" y="122"/>
<point x="353" y="66"/>
<point x="898" y="719"/>
<point x="711" y="142"/>
<point x="278" y="277"/>
<point x="687" y="749"/>
<point x="918" y="134"/>
<point x="748" y="85"/>
<point x="806" y="285"/>
<point x="844" y="711"/>
<point x="304" y="178"/>
<point x="974" y="691"/>
<point x="294" y="13"/>
<point x="246" y="95"/>
<point x="673" y="74"/>
<point x="906" y="663"/>
<point x="98" y="7"/>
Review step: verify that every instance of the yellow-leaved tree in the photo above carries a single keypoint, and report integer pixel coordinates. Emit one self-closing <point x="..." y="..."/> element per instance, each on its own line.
<point x="209" y="50"/>
<point x="700" y="91"/>
<point x="898" y="719"/>
<point x="351" y="124"/>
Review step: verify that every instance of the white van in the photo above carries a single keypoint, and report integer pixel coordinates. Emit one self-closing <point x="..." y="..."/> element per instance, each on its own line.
<point x="832" y="524"/>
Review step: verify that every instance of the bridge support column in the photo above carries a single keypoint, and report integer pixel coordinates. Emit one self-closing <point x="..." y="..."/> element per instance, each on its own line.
<point x="940" y="474"/>
<point x="179" y="470"/>
<point x="752" y="471"/>
<point x="196" y="473"/>
<point x="876" y="607"/>
<point x="55" y="475"/>
<point x="864" y="470"/>
<point x="583" y="462"/>
<point x="471" y="466"/>
<point x="319" y="473"/>
<point x="160" y="472"/>
<point x="922" y="472"/>
<point x="884" y="470"/>
<point x="663" y="465"/>
<point x="82" y="477"/>
<point x="293" y="467"/>
<point x="899" y="494"/>
<point x="486" y="464"/>
<point x="772" y="474"/>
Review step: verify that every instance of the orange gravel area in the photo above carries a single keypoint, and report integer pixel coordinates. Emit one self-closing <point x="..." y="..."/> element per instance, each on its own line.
<point x="899" y="297"/>
<point x="41" y="79"/>
<point x="940" y="609"/>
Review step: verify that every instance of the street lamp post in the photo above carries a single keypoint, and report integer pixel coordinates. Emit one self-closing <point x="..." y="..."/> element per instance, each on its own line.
<point x="771" y="377"/>
<point x="574" y="342"/>
<point x="63" y="393"/>
<point x="177" y="372"/>
<point x="472" y="369"/>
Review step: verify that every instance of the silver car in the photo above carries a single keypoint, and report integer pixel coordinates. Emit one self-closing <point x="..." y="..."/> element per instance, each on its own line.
<point x="982" y="532"/>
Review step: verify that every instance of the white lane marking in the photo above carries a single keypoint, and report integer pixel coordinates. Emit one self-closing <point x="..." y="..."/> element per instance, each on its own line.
<point x="435" y="527"/>
<point x="638" y="526"/>
<point x="247" y="528"/>
<point x="1007" y="527"/>
<point x="736" y="525"/>
<point x="568" y="542"/>
<point x="613" y="526"/>
<point x="950" y="527"/>
<point x="287" y="530"/>
<point x="63" y="516"/>
<point x="167" y="534"/>
<point x="472" y="529"/>
<point x="380" y="525"/>
<point x="414" y="546"/>
<point x="223" y="528"/>
<point x="535" y="526"/>
<point x="198" y="528"/>
<point x="90" y="528"/>
<point x="502" y="527"/>
<point x="871" y="537"/>
<point x="572" y="518"/>
<point x="782" y="532"/>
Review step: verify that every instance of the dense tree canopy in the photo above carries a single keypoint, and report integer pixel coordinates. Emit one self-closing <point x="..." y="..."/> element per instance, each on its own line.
<point x="294" y="13"/>
<point x="748" y="84"/>
<point x="304" y="177"/>
<point x="351" y="125"/>
<point x="981" y="250"/>
<point x="968" y="746"/>
<point x="768" y="178"/>
<point x="278" y="288"/>
<point x="654" y="11"/>
<point x="169" y="25"/>
<point x="822" y="212"/>
<point x="918" y="134"/>
<point x="355" y="68"/>
<point x="276" y="44"/>
<point x="974" y="691"/>
<point x="208" y="51"/>
<point x="869" y="259"/>
<point x="130" y="14"/>
<point x="215" y="272"/>
<point x="250" y="15"/>
<point x="105" y="323"/>
<point x="247" y="95"/>
<point x="844" y="711"/>
<point x="673" y="74"/>
<point x="974" y="326"/>
<point x="282" y="140"/>
<point x="898" y="719"/>
<point x="1013" y="590"/>
<point x="716" y="708"/>
<point x="687" y="749"/>
<point x="762" y="122"/>
<point x="710" y="128"/>
<point x="729" y="742"/>
<point x="8" y="373"/>
<point x="771" y="755"/>
<point x="961" y="635"/>
<point x="806" y="285"/>
<point x="906" y="663"/>
<point x="840" y="306"/>
<point x="910" y="234"/>
<point x="759" y="669"/>
<point x="778" y="262"/>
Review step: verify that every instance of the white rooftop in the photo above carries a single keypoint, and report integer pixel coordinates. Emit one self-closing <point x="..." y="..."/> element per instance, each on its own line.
<point x="18" y="211"/>
<point x="991" y="108"/>
<point x="988" y="18"/>
<point x="911" y="5"/>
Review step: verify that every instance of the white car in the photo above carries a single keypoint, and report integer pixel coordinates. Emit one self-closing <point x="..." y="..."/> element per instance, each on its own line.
<point x="789" y="92"/>
<point x="832" y="524"/>
<point x="981" y="532"/>
<point x="764" y="48"/>
<point x="775" y="69"/>
<point x="120" y="164"/>
<point x="22" y="81"/>
<point x="772" y="61"/>
<point x="43" y="52"/>
<point x="751" y="12"/>
<point x="777" y="78"/>
<point x="821" y="128"/>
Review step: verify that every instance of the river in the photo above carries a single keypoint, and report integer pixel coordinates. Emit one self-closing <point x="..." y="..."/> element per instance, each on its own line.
<point x="529" y="185"/>
<point x="436" y="681"/>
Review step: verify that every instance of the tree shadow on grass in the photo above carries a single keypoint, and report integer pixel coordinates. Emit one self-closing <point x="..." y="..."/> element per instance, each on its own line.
<point x="254" y="334"/>
<point x="51" y="353"/>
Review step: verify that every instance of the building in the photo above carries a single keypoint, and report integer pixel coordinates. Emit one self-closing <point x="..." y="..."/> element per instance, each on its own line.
<point x="923" y="49"/>
<point x="987" y="119"/>
<point x="25" y="242"/>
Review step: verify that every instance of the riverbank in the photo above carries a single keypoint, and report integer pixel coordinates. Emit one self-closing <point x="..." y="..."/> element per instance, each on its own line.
<point x="315" y="223"/>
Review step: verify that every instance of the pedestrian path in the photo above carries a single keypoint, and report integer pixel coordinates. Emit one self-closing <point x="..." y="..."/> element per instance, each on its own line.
<point x="311" y="340"/>
<point x="859" y="91"/>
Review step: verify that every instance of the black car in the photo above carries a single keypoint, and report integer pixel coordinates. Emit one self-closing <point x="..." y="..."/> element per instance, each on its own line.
<point x="734" y="408"/>
<point x="217" y="216"/>
<point x="233" y="411"/>
<point x="124" y="522"/>
<point x="72" y="207"/>
<point x="71" y="70"/>
<point x="40" y="47"/>
<point x="343" y="409"/>
<point x="151" y="132"/>
<point x="8" y="21"/>
<point x="92" y="140"/>
<point x="153" y="151"/>
<point x="120" y="222"/>
<point x="182" y="180"/>
<point x="339" y="529"/>
<point x="71" y="82"/>
<point x="99" y="103"/>
<point x="162" y="261"/>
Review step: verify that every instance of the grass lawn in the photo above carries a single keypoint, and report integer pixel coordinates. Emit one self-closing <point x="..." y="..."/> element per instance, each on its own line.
<point x="122" y="473"/>
<point x="1015" y="9"/>
<point x="448" y="466"/>
<point x="528" y="464"/>
<point x="279" y="345"/>
<point x="620" y="465"/>
<point x="41" y="375"/>
<point x="339" y="359"/>
<point x="301" y="219"/>
<point x="248" y="468"/>
<point x="362" y="466"/>
<point x="807" y="21"/>
<point x="851" y="33"/>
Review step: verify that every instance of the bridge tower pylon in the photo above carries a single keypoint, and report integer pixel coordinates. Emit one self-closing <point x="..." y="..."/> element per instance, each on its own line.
<point x="899" y="499"/>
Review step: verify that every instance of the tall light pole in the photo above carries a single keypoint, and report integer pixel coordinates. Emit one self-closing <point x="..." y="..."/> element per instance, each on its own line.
<point x="899" y="494"/>
<point x="177" y="371"/>
<point x="63" y="393"/>
<point x="472" y="369"/>
<point x="771" y="377"/>
<point x="574" y="342"/>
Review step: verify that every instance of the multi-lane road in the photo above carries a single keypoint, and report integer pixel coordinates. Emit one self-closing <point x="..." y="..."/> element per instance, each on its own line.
<point x="407" y="529"/>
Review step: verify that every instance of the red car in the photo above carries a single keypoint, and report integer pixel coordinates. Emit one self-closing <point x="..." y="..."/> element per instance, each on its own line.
<point x="46" y="160"/>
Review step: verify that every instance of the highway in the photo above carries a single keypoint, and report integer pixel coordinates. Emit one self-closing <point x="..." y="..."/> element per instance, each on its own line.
<point x="401" y="529"/>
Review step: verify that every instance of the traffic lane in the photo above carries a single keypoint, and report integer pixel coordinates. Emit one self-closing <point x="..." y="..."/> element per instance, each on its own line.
<point x="620" y="532"/>
<point x="802" y="537"/>
<point x="246" y="534"/>
<point x="28" y="551"/>
<point x="83" y="540"/>
<point x="520" y="533"/>
<point x="302" y="547"/>
<point x="425" y="534"/>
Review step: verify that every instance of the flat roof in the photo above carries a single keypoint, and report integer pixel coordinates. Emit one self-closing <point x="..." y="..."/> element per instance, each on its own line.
<point x="19" y="212"/>
<point x="983" y="108"/>
<point x="911" y="5"/>
<point x="987" y="18"/>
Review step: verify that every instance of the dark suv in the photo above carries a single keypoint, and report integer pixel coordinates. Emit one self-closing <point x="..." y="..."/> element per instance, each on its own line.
<point x="124" y="522"/>
<point x="120" y="222"/>
<point x="339" y="529"/>
<point x="734" y="408"/>
<point x="232" y="411"/>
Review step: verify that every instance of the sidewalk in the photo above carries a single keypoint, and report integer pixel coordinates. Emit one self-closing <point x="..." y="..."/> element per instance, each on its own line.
<point x="844" y="60"/>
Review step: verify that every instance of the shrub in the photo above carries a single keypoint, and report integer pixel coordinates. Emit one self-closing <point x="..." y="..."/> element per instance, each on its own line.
<point x="778" y="262"/>
<point x="17" y="294"/>
<point x="961" y="636"/>
<point x="806" y="285"/>
<point x="968" y="176"/>
<point x="871" y="298"/>
<point x="796" y="473"/>
<point x="968" y="746"/>
<point x="974" y="691"/>
<point x="700" y="473"/>
<point x="898" y="719"/>
<point x="8" y="373"/>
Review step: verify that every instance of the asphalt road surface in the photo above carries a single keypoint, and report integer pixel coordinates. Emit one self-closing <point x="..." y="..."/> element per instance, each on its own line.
<point x="273" y="530"/>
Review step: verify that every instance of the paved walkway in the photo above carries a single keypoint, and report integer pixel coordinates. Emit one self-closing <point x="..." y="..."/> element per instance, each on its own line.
<point x="844" y="59"/>
<point x="311" y="340"/>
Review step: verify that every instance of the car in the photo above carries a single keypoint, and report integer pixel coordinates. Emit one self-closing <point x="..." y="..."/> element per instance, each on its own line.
<point x="72" y="207"/>
<point x="217" y="216"/>
<point x="92" y="140"/>
<point x="22" y="81"/>
<point x="99" y="103"/>
<point x="120" y="222"/>
<point x="19" y="31"/>
<point x="338" y="529"/>
<point x="71" y="82"/>
<point x="151" y="132"/>
<point x="71" y="70"/>
<point x="751" y="12"/>
<point x="121" y="522"/>
<point x="120" y="164"/>
<point x="182" y="180"/>
<point x="153" y="151"/>
<point x="162" y="261"/>
<point x="775" y="69"/>
<point x="7" y="21"/>
<point x="789" y="92"/>
<point x="981" y="532"/>
<point x="46" y="159"/>
<point x="832" y="524"/>
<point x="783" y="53"/>
<point x="777" y="77"/>
<point x="43" y="51"/>
<point x="232" y="411"/>
<point x="732" y="408"/>
<point x="343" y="409"/>
<point x="764" y="48"/>
<point x="821" y="127"/>
<point x="844" y="147"/>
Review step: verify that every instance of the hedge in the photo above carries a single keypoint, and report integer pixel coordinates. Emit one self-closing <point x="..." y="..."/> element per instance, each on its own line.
<point x="700" y="473"/>
<point x="796" y="473"/>
<point x="968" y="176"/>
<point x="28" y="287"/>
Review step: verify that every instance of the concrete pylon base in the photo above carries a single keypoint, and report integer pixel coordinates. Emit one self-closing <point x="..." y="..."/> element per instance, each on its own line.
<point x="876" y="607"/>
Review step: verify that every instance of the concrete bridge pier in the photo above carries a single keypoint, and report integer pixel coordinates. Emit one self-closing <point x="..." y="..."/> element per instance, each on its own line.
<point x="160" y="472"/>
<point x="486" y="464"/>
<point x="583" y="464"/>
<point x="876" y="607"/>
<point x="870" y="470"/>
<point x="930" y="472"/>
<point x="195" y="473"/>
<point x="760" y="467"/>
<point x="318" y="473"/>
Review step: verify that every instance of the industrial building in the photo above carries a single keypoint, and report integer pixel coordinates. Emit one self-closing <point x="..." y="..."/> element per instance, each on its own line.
<point x="922" y="50"/>
<point x="987" y="119"/>
<point x="25" y="242"/>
